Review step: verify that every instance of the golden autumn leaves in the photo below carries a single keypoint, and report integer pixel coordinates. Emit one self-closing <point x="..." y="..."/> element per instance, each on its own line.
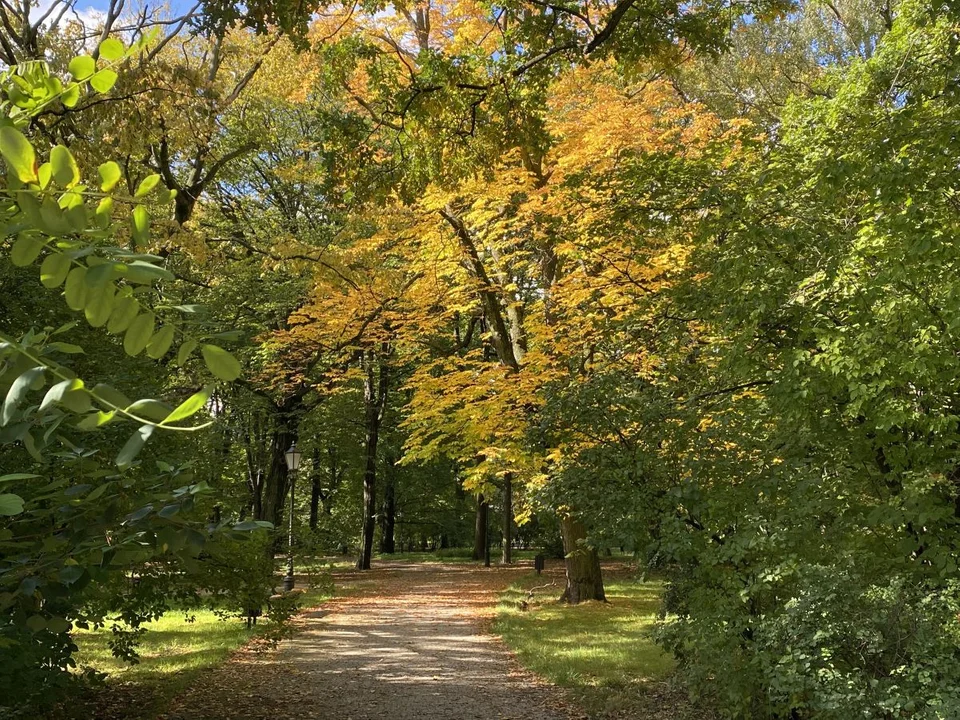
<point x="545" y="239"/>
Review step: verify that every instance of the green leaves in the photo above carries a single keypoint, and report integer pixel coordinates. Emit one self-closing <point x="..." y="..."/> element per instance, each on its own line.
<point x="98" y="273"/>
<point x="75" y="291"/>
<point x="109" y="175"/>
<point x="141" y="225"/>
<point x="17" y="392"/>
<point x="145" y="273"/>
<point x="104" y="80"/>
<point x="18" y="476"/>
<point x="160" y="343"/>
<point x="148" y="184"/>
<point x="99" y="304"/>
<point x="25" y="250"/>
<point x="185" y="351"/>
<point x="54" y="269"/>
<point x="65" y="170"/>
<point x="58" y="212"/>
<point x="10" y="504"/>
<point x="221" y="363"/>
<point x="67" y="348"/>
<point x="56" y="393"/>
<point x="71" y="95"/>
<point x="111" y="49"/>
<point x="82" y="67"/>
<point x="18" y="154"/>
<point x="124" y="312"/>
<point x="134" y="445"/>
<point x="139" y="334"/>
<point x="189" y="406"/>
<point x="93" y="289"/>
<point x="104" y="213"/>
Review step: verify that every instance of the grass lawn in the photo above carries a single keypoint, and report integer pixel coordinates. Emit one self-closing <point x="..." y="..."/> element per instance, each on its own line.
<point x="602" y="652"/>
<point x="173" y="651"/>
<point x="446" y="555"/>
<point x="455" y="555"/>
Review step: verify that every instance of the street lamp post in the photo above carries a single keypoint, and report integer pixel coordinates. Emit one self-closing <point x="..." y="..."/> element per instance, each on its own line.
<point x="293" y="464"/>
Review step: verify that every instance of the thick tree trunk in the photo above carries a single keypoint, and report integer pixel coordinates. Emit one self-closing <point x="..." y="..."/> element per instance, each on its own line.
<point x="277" y="481"/>
<point x="506" y="557"/>
<point x="374" y="397"/>
<point x="388" y="518"/>
<point x="584" y="580"/>
<point x="369" y="507"/>
<point x="480" y="529"/>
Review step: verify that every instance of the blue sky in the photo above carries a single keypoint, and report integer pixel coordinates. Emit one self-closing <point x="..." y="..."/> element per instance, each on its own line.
<point x="91" y="10"/>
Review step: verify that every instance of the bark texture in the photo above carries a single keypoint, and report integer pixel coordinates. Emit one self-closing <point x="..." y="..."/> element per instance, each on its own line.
<point x="388" y="514"/>
<point x="374" y="400"/>
<point x="316" y="489"/>
<point x="277" y="480"/>
<point x="480" y="529"/>
<point x="584" y="579"/>
<point x="506" y="556"/>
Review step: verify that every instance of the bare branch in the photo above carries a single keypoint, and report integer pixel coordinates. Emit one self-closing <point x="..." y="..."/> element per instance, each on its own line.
<point x="248" y="76"/>
<point x="606" y="32"/>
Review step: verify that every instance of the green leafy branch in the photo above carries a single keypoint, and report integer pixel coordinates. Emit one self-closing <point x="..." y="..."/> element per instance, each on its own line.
<point x="88" y="273"/>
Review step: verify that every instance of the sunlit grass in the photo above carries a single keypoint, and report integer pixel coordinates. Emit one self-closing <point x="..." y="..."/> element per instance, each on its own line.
<point x="602" y="650"/>
<point x="446" y="556"/>
<point x="172" y="645"/>
<point x="173" y="652"/>
<point x="455" y="555"/>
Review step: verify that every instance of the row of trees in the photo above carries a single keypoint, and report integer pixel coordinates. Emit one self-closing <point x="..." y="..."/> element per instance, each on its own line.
<point x="676" y="277"/>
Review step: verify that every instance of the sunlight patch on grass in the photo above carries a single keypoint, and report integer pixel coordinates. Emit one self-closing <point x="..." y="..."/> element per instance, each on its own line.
<point x="173" y="651"/>
<point x="171" y="646"/>
<point x="592" y="645"/>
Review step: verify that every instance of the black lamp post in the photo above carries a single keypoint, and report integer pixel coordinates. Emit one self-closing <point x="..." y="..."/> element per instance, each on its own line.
<point x="293" y="464"/>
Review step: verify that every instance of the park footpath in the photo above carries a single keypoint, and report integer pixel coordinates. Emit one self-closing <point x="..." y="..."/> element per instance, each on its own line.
<point x="401" y="641"/>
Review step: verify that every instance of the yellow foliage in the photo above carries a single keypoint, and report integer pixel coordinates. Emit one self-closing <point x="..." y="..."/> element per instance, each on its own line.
<point x="547" y="243"/>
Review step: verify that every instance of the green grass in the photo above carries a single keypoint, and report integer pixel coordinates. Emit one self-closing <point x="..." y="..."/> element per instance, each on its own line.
<point x="454" y="555"/>
<point x="173" y="651"/>
<point x="604" y="652"/>
<point x="447" y="555"/>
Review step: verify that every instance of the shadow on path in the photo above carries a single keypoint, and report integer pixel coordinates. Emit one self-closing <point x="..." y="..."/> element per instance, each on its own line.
<point x="410" y="644"/>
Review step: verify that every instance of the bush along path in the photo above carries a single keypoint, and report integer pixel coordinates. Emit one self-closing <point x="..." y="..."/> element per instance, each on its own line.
<point x="404" y="641"/>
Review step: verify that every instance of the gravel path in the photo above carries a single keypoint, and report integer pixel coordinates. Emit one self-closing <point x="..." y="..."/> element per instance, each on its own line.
<point x="407" y="641"/>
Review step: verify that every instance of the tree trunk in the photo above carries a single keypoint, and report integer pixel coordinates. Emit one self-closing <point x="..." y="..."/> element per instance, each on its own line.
<point x="336" y="471"/>
<point x="314" y="501"/>
<point x="316" y="489"/>
<point x="374" y="400"/>
<point x="584" y="581"/>
<point x="277" y="481"/>
<point x="255" y="448"/>
<point x="388" y="518"/>
<point x="506" y="557"/>
<point x="480" y="529"/>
